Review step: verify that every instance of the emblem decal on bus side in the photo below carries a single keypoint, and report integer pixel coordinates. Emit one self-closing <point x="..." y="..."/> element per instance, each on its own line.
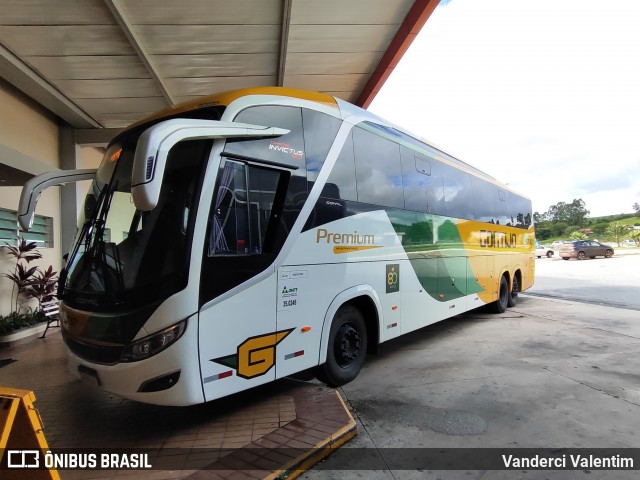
<point x="346" y="242"/>
<point x="287" y="149"/>
<point x="256" y="355"/>
<point x="393" y="278"/>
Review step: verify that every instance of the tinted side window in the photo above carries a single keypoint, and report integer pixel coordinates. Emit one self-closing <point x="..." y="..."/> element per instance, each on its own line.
<point x="341" y="183"/>
<point x="457" y="193"/>
<point x="246" y="224"/>
<point x="243" y="219"/>
<point x="422" y="182"/>
<point x="320" y="131"/>
<point x="503" y="210"/>
<point x="521" y="208"/>
<point x="284" y="150"/>
<point x="378" y="171"/>
<point x="484" y="199"/>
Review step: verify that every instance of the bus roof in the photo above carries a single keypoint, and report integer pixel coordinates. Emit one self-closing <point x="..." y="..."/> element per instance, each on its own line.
<point x="344" y="108"/>
<point x="225" y="98"/>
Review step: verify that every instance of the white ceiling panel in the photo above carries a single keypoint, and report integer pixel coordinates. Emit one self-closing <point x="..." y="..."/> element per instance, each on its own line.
<point x="340" y="38"/>
<point x="207" y="86"/>
<point x="331" y="63"/>
<point x="201" y="12"/>
<point x="89" y="67"/>
<point x="50" y="12"/>
<point x="109" y="88"/>
<point x="102" y="106"/>
<point x="57" y="40"/>
<point x="349" y="12"/>
<point x="119" y="120"/>
<point x="224" y="65"/>
<point x="109" y="62"/>
<point x="324" y="83"/>
<point x="203" y="39"/>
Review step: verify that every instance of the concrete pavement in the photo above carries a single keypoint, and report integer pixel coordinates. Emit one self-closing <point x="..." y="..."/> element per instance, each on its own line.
<point x="546" y="374"/>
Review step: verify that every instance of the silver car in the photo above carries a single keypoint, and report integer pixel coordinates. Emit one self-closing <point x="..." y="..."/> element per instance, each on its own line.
<point x="542" y="251"/>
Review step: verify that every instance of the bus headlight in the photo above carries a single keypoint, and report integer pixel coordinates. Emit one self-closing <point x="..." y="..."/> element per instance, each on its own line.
<point x="148" y="346"/>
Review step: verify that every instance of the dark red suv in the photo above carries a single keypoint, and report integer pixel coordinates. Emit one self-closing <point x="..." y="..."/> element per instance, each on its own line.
<point x="582" y="249"/>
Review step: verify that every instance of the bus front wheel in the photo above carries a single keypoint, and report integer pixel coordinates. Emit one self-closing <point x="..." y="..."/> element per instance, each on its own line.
<point x="347" y="347"/>
<point x="500" y="305"/>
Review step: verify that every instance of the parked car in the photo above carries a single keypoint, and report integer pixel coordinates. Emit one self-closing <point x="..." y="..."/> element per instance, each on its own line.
<point x="582" y="249"/>
<point x="629" y="243"/>
<point x="542" y="251"/>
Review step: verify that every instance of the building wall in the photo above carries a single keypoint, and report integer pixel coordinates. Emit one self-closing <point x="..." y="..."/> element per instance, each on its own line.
<point x="34" y="132"/>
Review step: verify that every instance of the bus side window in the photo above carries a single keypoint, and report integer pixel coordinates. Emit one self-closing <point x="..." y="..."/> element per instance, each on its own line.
<point x="287" y="150"/>
<point x="320" y="131"/>
<point x="457" y="193"/>
<point x="244" y="224"/>
<point x="422" y="181"/>
<point x="341" y="184"/>
<point x="484" y="199"/>
<point x="502" y="208"/>
<point x="229" y="230"/>
<point x="378" y="171"/>
<point x="521" y="208"/>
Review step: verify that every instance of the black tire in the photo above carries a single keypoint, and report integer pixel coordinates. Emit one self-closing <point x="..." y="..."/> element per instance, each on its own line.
<point x="347" y="347"/>
<point x="565" y="258"/>
<point x="500" y="305"/>
<point x="549" y="254"/>
<point x="608" y="254"/>
<point x="581" y="256"/>
<point x="513" y="295"/>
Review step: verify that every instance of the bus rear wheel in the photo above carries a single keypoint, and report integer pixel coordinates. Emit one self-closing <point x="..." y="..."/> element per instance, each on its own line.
<point x="500" y="305"/>
<point x="347" y="347"/>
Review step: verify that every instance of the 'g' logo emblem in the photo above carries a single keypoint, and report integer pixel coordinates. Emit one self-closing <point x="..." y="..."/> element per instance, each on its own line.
<point x="256" y="355"/>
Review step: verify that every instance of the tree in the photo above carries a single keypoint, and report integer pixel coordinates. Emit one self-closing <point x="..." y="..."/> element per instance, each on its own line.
<point x="578" y="236"/>
<point x="600" y="228"/>
<point x="636" y="207"/>
<point x="574" y="213"/>
<point x="538" y="218"/>
<point x="617" y="230"/>
<point x="635" y="236"/>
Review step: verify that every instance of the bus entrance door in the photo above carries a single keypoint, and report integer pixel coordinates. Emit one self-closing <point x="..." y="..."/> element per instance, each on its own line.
<point x="238" y="341"/>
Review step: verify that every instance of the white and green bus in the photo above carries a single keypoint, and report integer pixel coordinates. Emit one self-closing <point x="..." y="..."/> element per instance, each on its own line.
<point x="257" y="233"/>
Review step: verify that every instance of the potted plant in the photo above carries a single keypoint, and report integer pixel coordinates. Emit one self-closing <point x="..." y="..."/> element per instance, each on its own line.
<point x="29" y="282"/>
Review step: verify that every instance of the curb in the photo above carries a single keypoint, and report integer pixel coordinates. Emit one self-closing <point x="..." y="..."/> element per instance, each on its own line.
<point x="320" y="451"/>
<point x="323" y="424"/>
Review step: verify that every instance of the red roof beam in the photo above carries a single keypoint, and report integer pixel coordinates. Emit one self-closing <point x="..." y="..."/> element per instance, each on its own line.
<point x="411" y="26"/>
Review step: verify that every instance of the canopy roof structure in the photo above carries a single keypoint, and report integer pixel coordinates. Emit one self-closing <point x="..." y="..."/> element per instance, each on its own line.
<point x="103" y="64"/>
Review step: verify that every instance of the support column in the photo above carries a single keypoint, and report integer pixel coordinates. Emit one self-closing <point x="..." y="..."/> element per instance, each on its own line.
<point x="68" y="154"/>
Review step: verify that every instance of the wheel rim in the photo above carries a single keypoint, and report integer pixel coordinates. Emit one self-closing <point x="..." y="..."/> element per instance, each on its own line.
<point x="608" y="254"/>
<point x="581" y="255"/>
<point x="347" y="346"/>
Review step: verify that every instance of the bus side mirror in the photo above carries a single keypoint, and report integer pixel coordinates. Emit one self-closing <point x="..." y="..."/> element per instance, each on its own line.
<point x="155" y="143"/>
<point x="34" y="187"/>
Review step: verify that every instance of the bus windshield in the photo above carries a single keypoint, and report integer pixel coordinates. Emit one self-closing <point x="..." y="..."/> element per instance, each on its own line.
<point x="123" y="257"/>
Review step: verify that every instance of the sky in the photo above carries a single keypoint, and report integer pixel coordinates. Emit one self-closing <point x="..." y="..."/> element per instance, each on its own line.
<point x="543" y="96"/>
